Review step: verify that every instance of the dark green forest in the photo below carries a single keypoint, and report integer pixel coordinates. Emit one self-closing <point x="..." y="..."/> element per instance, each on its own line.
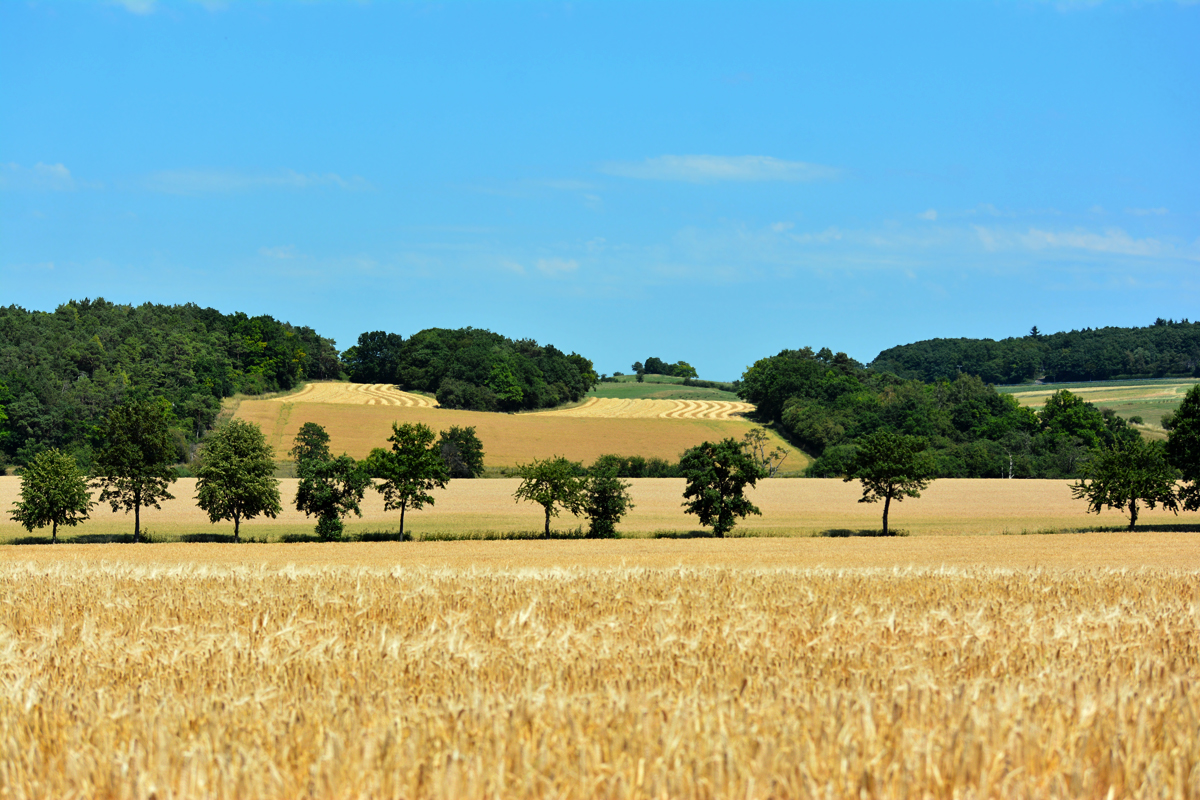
<point x="824" y="402"/>
<point x="62" y="371"/>
<point x="472" y="368"/>
<point x="1164" y="349"/>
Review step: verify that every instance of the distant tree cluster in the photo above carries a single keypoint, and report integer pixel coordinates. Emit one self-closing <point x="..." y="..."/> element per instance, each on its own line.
<point x="61" y="373"/>
<point x="827" y="403"/>
<point x="472" y="368"/>
<point x="656" y="366"/>
<point x="1166" y="348"/>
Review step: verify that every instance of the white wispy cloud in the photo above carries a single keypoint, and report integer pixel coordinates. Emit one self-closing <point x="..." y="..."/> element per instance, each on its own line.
<point x="930" y="215"/>
<point x="143" y="7"/>
<point x="39" y="177"/>
<point x="555" y="267"/>
<point x="714" y="169"/>
<point x="198" y="181"/>
<point x="1147" y="212"/>
<point x="136" y="6"/>
<point x="283" y="252"/>
<point x="1111" y="241"/>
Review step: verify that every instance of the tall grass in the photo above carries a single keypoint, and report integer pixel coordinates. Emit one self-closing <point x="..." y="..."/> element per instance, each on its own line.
<point x="243" y="681"/>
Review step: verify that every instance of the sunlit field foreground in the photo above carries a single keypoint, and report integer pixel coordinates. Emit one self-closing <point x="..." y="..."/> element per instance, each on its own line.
<point x="256" y="681"/>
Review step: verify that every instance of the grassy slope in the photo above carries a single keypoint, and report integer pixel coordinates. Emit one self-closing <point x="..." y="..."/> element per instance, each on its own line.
<point x="658" y="387"/>
<point x="1149" y="399"/>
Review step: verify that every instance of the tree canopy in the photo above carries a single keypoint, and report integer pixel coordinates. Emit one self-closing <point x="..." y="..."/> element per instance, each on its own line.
<point x="825" y="402"/>
<point x="412" y="469"/>
<point x="1128" y="473"/>
<point x="1162" y="349"/>
<point x="53" y="492"/>
<point x="555" y="484"/>
<point x="133" y="458"/>
<point x="236" y="476"/>
<point x="717" y="475"/>
<point x="329" y="488"/>
<point x="472" y="368"/>
<point x="656" y="366"/>
<point x="890" y="467"/>
<point x="461" y="451"/>
<point x="1183" y="447"/>
<point x="62" y="372"/>
<point x="606" y="500"/>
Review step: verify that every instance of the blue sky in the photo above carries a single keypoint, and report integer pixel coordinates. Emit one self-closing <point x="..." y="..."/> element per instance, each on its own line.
<point x="711" y="182"/>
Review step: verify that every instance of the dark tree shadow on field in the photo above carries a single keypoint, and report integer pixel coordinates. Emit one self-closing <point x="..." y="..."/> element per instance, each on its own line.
<point x="846" y="533"/>
<point x="703" y="534"/>
<point x="384" y="536"/>
<point x="300" y="538"/>
<point x="202" y="538"/>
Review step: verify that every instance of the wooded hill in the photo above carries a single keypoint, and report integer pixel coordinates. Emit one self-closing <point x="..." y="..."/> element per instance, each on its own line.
<point x="472" y="368"/>
<point x="1164" y="349"/>
<point x="825" y="402"/>
<point x="60" y="372"/>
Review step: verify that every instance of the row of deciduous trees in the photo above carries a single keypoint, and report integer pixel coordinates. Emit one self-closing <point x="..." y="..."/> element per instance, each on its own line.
<point x="235" y="482"/>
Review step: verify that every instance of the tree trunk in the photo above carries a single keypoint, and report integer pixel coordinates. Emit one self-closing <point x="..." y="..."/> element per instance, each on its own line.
<point x="1133" y="509"/>
<point x="402" y="507"/>
<point x="887" y="501"/>
<point x="546" y="535"/>
<point x="236" y="520"/>
<point x="54" y="531"/>
<point x="137" y="522"/>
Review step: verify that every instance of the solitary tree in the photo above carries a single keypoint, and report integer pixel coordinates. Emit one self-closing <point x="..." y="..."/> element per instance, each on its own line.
<point x="133" y="459"/>
<point x="755" y="442"/>
<point x="717" y="476"/>
<point x="1129" y="472"/>
<point x="53" y="492"/>
<point x="462" y="452"/>
<point x="235" y="480"/>
<point x="411" y="470"/>
<point x="1183" y="448"/>
<point x="891" y="466"/>
<point x="329" y="488"/>
<point x="605" y="500"/>
<point x="554" y="484"/>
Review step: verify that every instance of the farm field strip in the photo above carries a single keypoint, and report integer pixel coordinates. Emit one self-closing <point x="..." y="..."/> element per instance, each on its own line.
<point x="372" y="394"/>
<point x="639" y="408"/>
<point x="508" y="439"/>
<point x="140" y="680"/>
<point x="791" y="507"/>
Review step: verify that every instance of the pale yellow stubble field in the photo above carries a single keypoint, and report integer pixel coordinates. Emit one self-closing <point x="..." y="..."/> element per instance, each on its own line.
<point x="195" y="680"/>
<point x="508" y="439"/>
<point x="791" y="507"/>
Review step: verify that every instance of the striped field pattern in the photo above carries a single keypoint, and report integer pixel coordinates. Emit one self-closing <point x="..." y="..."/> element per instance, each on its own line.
<point x="361" y="394"/>
<point x="615" y="408"/>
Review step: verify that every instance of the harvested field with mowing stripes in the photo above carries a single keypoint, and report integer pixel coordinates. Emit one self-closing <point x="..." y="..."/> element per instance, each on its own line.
<point x="508" y="439"/>
<point x="134" y="679"/>
<point x="614" y="408"/>
<point x="366" y="394"/>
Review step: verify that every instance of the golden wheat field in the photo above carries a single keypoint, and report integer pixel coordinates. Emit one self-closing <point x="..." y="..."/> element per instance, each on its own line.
<point x="194" y="680"/>
<point x="790" y="507"/>
<point x="356" y="427"/>
<point x="367" y="394"/>
<point x="647" y="408"/>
